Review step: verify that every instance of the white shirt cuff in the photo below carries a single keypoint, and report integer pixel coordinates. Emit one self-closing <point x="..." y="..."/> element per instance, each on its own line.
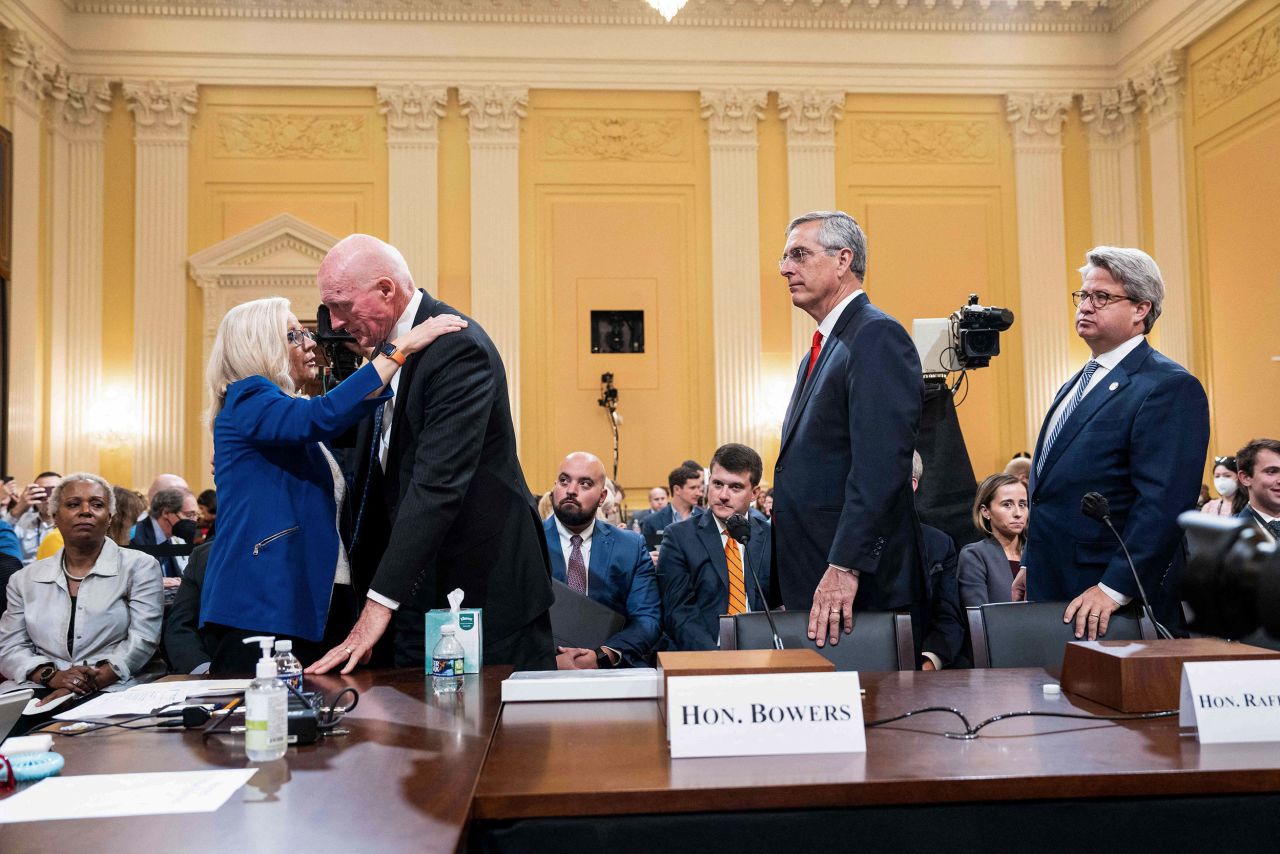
<point x="852" y="572"/>
<point x="937" y="662"/>
<point x="1120" y="598"/>
<point x="384" y="601"/>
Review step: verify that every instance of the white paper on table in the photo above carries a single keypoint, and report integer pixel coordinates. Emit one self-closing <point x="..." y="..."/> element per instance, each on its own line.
<point x="141" y="699"/>
<point x="112" y="795"/>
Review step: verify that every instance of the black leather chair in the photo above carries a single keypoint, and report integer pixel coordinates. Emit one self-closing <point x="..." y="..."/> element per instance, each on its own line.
<point x="880" y="641"/>
<point x="1032" y="634"/>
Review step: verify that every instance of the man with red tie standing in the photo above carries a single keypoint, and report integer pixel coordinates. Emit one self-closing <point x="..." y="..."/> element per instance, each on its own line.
<point x="846" y="536"/>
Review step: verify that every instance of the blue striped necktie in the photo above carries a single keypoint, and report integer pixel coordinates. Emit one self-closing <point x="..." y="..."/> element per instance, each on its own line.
<point x="1081" y="387"/>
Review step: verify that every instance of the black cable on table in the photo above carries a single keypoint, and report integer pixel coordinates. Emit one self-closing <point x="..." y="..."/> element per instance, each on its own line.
<point x="971" y="732"/>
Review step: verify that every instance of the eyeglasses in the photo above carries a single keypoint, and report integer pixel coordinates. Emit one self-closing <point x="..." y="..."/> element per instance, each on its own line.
<point x="798" y="255"/>
<point x="1100" y="299"/>
<point x="297" y="336"/>
<point x="190" y="515"/>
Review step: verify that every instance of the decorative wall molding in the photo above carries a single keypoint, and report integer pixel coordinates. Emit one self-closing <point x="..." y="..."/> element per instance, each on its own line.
<point x="1111" y="115"/>
<point x="1015" y="16"/>
<point x="494" y="112"/>
<point x="1237" y="66"/>
<point x="1160" y="87"/>
<point x="161" y="110"/>
<point x="811" y="115"/>
<point x="79" y="105"/>
<point x="1037" y="117"/>
<point x="28" y="68"/>
<point x="924" y="141"/>
<point x="732" y="114"/>
<point x="293" y="136"/>
<point x="413" y="111"/>
<point x="639" y="140"/>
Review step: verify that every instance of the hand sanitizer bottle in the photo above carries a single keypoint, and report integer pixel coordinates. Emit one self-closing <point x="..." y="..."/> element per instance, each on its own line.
<point x="266" y="717"/>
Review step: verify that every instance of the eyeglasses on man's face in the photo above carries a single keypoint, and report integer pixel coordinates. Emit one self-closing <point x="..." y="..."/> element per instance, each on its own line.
<point x="798" y="255"/>
<point x="1100" y="299"/>
<point x="297" y="336"/>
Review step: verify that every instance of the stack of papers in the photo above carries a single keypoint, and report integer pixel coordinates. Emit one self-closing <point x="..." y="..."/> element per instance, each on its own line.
<point x="141" y="699"/>
<point x="626" y="684"/>
<point x="112" y="795"/>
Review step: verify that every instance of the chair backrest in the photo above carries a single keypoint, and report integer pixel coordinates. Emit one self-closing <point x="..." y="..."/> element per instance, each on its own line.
<point x="880" y="641"/>
<point x="1032" y="634"/>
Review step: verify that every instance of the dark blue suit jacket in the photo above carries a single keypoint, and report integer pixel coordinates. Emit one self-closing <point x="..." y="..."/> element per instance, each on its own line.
<point x="944" y="624"/>
<point x="653" y="525"/>
<point x="271" y="566"/>
<point x="1139" y="437"/>
<point x="620" y="575"/>
<point x="842" y="483"/>
<point x="694" y="578"/>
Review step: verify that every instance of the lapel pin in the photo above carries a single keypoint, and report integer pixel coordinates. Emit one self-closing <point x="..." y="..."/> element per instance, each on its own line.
<point x="1113" y="386"/>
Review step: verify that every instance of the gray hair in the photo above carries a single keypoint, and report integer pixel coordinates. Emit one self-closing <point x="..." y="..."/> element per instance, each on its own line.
<point x="838" y="231"/>
<point x="1136" y="271"/>
<point x="917" y="465"/>
<point x="252" y="341"/>
<point x="55" y="500"/>
<point x="168" y="500"/>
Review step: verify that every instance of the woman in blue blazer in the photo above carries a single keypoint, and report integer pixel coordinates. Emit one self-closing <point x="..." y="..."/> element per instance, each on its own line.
<point x="278" y="566"/>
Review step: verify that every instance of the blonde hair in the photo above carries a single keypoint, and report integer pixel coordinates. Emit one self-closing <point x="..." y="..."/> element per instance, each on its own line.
<point x="252" y="342"/>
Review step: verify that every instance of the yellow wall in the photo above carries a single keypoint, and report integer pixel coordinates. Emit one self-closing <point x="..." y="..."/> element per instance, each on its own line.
<point x="1233" y="129"/>
<point x="930" y="178"/>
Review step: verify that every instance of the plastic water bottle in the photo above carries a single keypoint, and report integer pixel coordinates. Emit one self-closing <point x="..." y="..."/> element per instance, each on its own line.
<point x="288" y="668"/>
<point x="447" y="663"/>
<point x="266" y="717"/>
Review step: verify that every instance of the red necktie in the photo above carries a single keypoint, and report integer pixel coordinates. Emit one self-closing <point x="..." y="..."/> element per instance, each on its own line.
<point x="813" y="353"/>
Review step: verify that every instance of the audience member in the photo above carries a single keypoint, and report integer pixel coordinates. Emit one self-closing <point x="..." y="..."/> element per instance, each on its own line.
<point x="31" y="517"/>
<point x="701" y="569"/>
<point x="1133" y="425"/>
<point x="597" y="559"/>
<point x="1019" y="467"/>
<point x="278" y="566"/>
<point x="988" y="567"/>
<point x="1259" y="465"/>
<point x="170" y="521"/>
<point x="684" y="485"/>
<point x="10" y="557"/>
<point x="612" y="509"/>
<point x="1226" y="482"/>
<point x="845" y="529"/>
<point x="129" y="506"/>
<point x="545" y="506"/>
<point x="90" y="615"/>
<point x="766" y="503"/>
<point x="942" y="639"/>
<point x="166" y="481"/>
<point x="207" y="504"/>
<point x="9" y="493"/>
<point x="186" y="646"/>
<point x="657" y="500"/>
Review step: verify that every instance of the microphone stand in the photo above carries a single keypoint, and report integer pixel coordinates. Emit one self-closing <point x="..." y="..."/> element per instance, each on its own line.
<point x="1096" y="507"/>
<point x="740" y="529"/>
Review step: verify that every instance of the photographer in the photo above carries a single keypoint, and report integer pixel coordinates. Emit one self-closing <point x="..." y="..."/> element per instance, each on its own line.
<point x="31" y="518"/>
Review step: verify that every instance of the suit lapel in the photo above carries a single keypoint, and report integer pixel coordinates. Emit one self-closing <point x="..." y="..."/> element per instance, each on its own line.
<point x="828" y="345"/>
<point x="758" y="562"/>
<point x="554" y="550"/>
<point x="425" y="310"/>
<point x="795" y="399"/>
<point x="709" y="534"/>
<point x="601" y="556"/>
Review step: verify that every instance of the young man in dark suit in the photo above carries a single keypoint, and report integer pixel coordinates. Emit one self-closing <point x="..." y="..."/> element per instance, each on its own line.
<point x="701" y="570"/>
<point x="846" y="535"/>
<point x="685" y="485"/>
<point x="1133" y="425"/>
<point x="603" y="562"/>
<point x="441" y="500"/>
<point x="1259" y="465"/>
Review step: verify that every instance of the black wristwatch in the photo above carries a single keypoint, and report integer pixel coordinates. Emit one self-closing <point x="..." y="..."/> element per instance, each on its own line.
<point x="603" y="661"/>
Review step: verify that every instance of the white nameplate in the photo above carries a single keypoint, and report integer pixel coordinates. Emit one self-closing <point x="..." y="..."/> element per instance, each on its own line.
<point x="1231" y="701"/>
<point x="765" y="714"/>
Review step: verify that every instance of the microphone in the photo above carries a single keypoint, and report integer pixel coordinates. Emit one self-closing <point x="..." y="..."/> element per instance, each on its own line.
<point x="192" y="717"/>
<point x="739" y="527"/>
<point x="1095" y="506"/>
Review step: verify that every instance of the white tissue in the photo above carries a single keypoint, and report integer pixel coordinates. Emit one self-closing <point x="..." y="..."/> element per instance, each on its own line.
<point x="455" y="605"/>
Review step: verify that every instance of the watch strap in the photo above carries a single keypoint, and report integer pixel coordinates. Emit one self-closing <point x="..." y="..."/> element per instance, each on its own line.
<point x="392" y="352"/>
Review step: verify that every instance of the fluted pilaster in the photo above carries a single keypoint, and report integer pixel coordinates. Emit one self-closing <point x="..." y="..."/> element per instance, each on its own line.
<point x="162" y="114"/>
<point x="413" y="120"/>
<point x="732" y="116"/>
<point x="1161" y="92"/>
<point x="811" y="117"/>
<point x="1045" y="317"/>
<point x="493" y="114"/>
<point x="78" y="109"/>
<point x="27" y="71"/>
<point x="1112" y="118"/>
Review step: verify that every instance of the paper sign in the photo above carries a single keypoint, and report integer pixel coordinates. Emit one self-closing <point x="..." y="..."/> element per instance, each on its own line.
<point x="113" y="795"/>
<point x="1231" y="701"/>
<point x="765" y="714"/>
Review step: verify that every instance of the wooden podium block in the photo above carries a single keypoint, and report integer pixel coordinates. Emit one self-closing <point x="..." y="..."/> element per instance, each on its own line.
<point x="729" y="662"/>
<point x="1143" y="676"/>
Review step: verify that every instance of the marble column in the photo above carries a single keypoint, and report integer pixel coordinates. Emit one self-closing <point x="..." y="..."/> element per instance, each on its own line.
<point x="78" y="108"/>
<point x="732" y="116"/>
<point x="1111" y="117"/>
<point x="1160" y="92"/>
<point x="1045" y="315"/>
<point x="162" y="115"/>
<point x="413" y="119"/>
<point x="27" y="71"/>
<point x="493" y="114"/>
<point x="811" y="117"/>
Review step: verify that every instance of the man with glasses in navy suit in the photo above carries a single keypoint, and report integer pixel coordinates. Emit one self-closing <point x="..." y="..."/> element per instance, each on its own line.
<point x="1132" y="425"/>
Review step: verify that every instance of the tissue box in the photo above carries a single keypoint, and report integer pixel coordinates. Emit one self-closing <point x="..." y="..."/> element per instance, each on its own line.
<point x="470" y="634"/>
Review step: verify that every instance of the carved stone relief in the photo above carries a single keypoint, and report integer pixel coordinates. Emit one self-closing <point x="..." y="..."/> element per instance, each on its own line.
<point x="1244" y="63"/>
<point x="923" y="141"/>
<point x="289" y="135"/>
<point x="644" y="140"/>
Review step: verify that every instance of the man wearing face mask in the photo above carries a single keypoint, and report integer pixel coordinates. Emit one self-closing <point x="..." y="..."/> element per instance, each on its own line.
<point x="1228" y="486"/>
<point x="170" y="521"/>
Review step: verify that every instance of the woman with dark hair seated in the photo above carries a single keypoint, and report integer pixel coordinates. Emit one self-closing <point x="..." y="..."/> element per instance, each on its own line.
<point x="987" y="568"/>
<point x="87" y="617"/>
